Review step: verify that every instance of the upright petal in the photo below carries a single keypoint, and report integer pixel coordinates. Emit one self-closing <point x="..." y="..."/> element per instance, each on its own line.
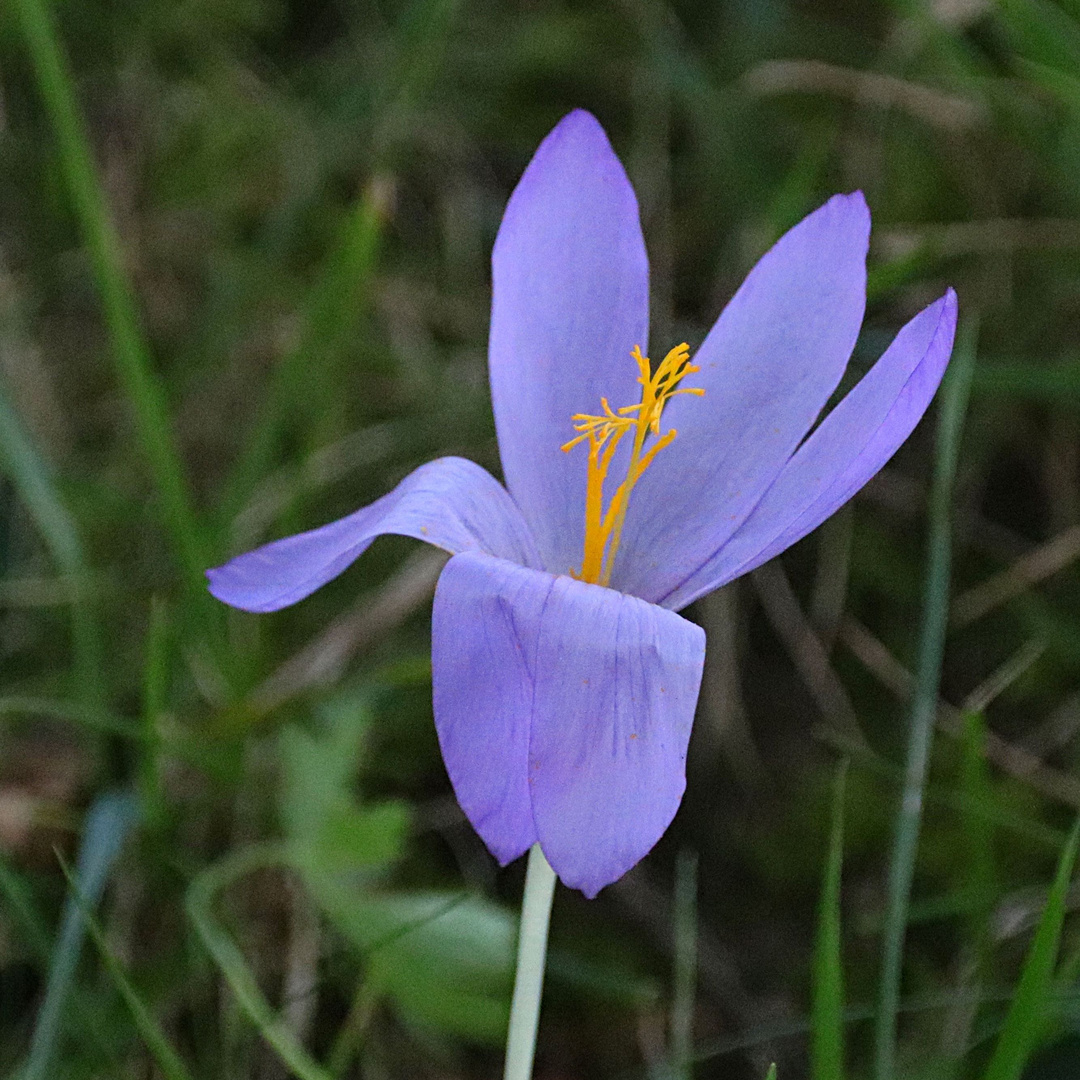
<point x="451" y="503"/>
<point x="768" y="367"/>
<point x="570" y="300"/>
<point x="564" y="712"/>
<point x="851" y="444"/>
<point x="483" y="653"/>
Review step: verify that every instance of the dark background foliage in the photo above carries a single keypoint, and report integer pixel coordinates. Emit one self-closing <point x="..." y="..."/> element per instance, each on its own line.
<point x="306" y="195"/>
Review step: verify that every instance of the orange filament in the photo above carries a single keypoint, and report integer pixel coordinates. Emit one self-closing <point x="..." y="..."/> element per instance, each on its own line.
<point x="603" y="527"/>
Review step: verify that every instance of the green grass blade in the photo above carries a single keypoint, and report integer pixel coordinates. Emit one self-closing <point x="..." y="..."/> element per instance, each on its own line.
<point x="771" y="1074"/>
<point x="230" y="960"/>
<point x="27" y="468"/>
<point x="1042" y="31"/>
<point x="129" y="348"/>
<point x="685" y="981"/>
<point x="924" y="702"/>
<point x="108" y="823"/>
<point x="338" y="297"/>
<point x="19" y="901"/>
<point x="1026" y="1020"/>
<point x="155" y="704"/>
<point x="32" y="477"/>
<point x="979" y="865"/>
<point x="168" y="1061"/>
<point x="333" y="309"/>
<point x="827" y="1037"/>
<point x="29" y="927"/>
<point x="89" y="716"/>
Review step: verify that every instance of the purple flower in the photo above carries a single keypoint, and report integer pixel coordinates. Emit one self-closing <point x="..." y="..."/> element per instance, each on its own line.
<point x="564" y="682"/>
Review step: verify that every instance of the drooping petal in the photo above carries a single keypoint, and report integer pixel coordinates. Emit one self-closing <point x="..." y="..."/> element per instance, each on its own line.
<point x="451" y="503"/>
<point x="617" y="681"/>
<point x="569" y="302"/>
<point x="484" y="629"/>
<point x="564" y="712"/>
<point x="768" y="367"/>
<point x="851" y="444"/>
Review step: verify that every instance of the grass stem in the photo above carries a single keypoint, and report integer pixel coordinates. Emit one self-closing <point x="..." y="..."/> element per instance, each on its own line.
<point x="827" y="1034"/>
<point x="924" y="702"/>
<point x="129" y="348"/>
<point x="682" y="1008"/>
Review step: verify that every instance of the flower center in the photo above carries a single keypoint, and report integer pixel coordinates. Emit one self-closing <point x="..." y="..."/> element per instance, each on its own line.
<point x="603" y="525"/>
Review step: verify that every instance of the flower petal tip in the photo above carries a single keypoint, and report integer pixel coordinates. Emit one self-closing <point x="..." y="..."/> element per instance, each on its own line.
<point x="946" y="308"/>
<point x="570" y="296"/>
<point x="579" y="119"/>
<point x="577" y="141"/>
<point x="217" y="584"/>
<point x="228" y="586"/>
<point x="950" y="313"/>
<point x="853" y="212"/>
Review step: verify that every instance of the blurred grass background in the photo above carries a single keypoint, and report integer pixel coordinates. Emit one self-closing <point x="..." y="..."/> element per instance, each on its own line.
<point x="244" y="289"/>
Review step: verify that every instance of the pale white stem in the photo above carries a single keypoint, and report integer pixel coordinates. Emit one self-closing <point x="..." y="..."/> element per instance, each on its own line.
<point x="532" y="954"/>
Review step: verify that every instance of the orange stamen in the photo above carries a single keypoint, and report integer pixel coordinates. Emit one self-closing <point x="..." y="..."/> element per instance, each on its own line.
<point x="603" y="529"/>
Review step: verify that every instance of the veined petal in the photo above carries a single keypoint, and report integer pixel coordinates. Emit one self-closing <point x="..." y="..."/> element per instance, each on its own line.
<point x="451" y="503"/>
<point x="564" y="712"/>
<point x="570" y="296"/>
<point x="617" y="682"/>
<point x="484" y="628"/>
<point x="851" y="444"/>
<point x="768" y="367"/>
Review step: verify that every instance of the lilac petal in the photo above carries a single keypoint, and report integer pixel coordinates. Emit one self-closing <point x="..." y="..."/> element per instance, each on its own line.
<point x="617" y="681"/>
<point x="851" y="444"/>
<point x="570" y="301"/>
<point x="564" y="712"/>
<point x="483" y="644"/>
<point x="451" y="503"/>
<point x="768" y="367"/>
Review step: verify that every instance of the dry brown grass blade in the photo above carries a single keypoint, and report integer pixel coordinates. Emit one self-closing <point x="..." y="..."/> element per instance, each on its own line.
<point x="722" y="727"/>
<point x="1002" y="677"/>
<point x="942" y="110"/>
<point x="807" y="653"/>
<point x="831" y="575"/>
<point x="1011" y="759"/>
<point x="322" y="660"/>
<point x="645" y="903"/>
<point x="1028" y="570"/>
<point x="992" y="236"/>
<point x="299" y="991"/>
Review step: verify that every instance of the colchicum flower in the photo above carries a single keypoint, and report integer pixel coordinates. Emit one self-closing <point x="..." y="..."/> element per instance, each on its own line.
<point x="564" y="681"/>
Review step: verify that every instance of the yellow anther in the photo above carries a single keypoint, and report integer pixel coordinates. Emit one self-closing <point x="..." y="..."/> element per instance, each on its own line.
<point x="603" y="527"/>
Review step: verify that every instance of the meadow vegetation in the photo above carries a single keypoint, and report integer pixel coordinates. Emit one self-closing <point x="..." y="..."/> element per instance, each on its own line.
<point x="245" y="288"/>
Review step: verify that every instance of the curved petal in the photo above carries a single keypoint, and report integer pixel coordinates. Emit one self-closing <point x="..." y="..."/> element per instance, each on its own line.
<point x="564" y="712"/>
<point x="617" y="681"/>
<point x="851" y="444"/>
<point x="768" y="367"/>
<point x="483" y="648"/>
<point x="451" y="503"/>
<point x="570" y="299"/>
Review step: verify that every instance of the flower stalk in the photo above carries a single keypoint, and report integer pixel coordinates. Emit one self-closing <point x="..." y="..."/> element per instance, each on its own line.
<point x="531" y="957"/>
